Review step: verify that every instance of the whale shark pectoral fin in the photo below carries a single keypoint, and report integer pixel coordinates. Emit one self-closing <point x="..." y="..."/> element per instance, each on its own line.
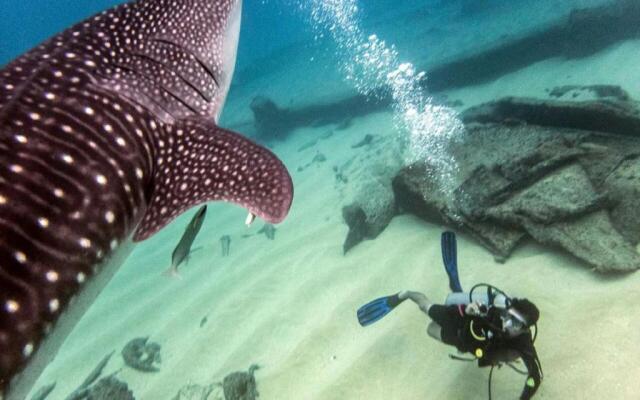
<point x="207" y="163"/>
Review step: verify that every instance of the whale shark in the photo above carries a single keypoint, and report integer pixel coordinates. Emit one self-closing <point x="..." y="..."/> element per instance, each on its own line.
<point x="108" y="131"/>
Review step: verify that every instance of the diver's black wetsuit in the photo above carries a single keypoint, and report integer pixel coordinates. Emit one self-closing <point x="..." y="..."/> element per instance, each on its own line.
<point x="483" y="337"/>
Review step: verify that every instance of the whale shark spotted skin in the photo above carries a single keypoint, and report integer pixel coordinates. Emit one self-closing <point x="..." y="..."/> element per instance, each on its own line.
<point x="108" y="132"/>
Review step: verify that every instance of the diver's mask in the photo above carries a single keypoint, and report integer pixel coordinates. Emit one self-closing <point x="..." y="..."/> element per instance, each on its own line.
<point x="513" y="323"/>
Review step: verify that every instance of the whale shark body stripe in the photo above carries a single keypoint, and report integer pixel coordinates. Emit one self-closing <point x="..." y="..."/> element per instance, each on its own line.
<point x="108" y="130"/>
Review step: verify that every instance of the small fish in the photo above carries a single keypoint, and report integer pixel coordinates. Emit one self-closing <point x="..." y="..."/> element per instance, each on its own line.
<point x="182" y="250"/>
<point x="225" y="242"/>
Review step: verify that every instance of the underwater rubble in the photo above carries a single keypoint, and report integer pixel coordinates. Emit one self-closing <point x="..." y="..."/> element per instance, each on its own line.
<point x="565" y="174"/>
<point x="110" y="388"/>
<point x="239" y="385"/>
<point x="142" y="355"/>
<point x="615" y="117"/>
<point x="106" y="388"/>
<point x="198" y="392"/>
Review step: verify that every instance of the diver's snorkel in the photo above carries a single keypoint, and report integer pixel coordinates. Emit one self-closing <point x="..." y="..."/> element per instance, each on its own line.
<point x="518" y="316"/>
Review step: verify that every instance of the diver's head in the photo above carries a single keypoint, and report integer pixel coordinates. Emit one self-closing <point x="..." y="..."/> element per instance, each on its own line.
<point x="519" y="316"/>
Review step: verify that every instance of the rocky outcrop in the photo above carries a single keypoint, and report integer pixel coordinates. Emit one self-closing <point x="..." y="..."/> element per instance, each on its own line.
<point x="619" y="118"/>
<point x="369" y="214"/>
<point x="416" y="193"/>
<point x="611" y="92"/>
<point x="537" y="170"/>
<point x="623" y="185"/>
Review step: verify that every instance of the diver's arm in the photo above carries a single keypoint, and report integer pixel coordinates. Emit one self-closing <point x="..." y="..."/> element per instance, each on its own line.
<point x="534" y="378"/>
<point x="419" y="298"/>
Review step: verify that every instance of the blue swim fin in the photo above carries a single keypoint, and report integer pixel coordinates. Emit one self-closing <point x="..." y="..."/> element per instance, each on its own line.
<point x="449" y="258"/>
<point x="376" y="309"/>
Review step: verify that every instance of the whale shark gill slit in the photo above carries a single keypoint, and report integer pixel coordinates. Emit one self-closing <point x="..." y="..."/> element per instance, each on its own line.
<point x="204" y="65"/>
<point x="168" y="68"/>
<point x="155" y="104"/>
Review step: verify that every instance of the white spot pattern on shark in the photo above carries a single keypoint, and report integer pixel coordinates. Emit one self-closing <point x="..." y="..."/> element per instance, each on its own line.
<point x="100" y="127"/>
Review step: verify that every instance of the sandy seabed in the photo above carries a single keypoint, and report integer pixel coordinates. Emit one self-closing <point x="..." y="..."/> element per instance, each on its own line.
<point x="289" y="305"/>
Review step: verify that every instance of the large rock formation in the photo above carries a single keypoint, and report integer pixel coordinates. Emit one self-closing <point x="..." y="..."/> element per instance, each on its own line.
<point x="564" y="174"/>
<point x="369" y="214"/>
<point x="365" y="184"/>
<point x="552" y="171"/>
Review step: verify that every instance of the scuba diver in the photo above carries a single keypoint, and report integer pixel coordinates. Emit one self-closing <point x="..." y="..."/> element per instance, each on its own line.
<point x="493" y="327"/>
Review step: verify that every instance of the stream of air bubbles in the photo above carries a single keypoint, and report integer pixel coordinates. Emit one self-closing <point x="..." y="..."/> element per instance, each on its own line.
<point x="371" y="64"/>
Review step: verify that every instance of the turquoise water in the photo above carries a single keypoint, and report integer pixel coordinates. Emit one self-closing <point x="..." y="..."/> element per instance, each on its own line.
<point x="370" y="88"/>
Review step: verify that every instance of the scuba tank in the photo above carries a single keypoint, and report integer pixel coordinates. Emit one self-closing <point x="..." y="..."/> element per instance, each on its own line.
<point x="491" y="297"/>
